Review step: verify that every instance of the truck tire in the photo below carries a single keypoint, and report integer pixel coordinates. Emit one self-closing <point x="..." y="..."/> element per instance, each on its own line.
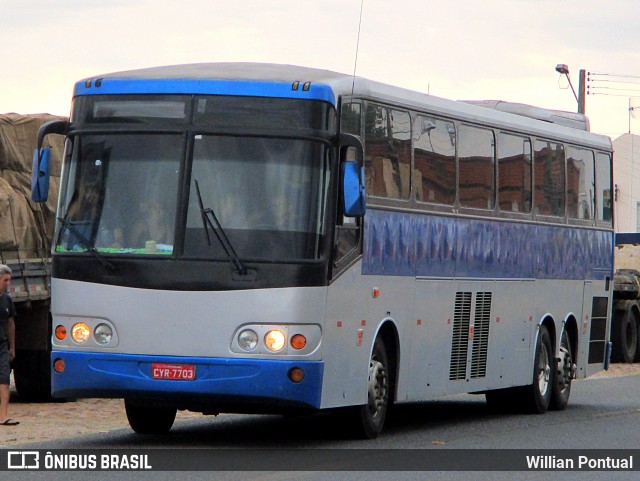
<point x="624" y="335"/>
<point x="32" y="375"/>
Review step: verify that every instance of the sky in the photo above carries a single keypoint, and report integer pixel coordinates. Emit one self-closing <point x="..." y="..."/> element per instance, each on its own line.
<point x="457" y="49"/>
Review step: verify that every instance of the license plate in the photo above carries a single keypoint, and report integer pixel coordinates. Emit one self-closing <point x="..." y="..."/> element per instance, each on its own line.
<point x="178" y="372"/>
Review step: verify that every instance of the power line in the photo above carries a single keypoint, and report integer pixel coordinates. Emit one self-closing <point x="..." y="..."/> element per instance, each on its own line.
<point x="611" y="95"/>
<point x="613" y="88"/>
<point x="606" y="81"/>
<point x="613" y="75"/>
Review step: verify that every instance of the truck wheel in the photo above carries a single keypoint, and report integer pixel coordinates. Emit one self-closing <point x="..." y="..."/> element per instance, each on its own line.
<point x="565" y="373"/>
<point x="149" y="419"/>
<point x="624" y="335"/>
<point x="32" y="375"/>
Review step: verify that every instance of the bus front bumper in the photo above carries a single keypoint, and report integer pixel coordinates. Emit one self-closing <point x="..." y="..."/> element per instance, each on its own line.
<point x="218" y="381"/>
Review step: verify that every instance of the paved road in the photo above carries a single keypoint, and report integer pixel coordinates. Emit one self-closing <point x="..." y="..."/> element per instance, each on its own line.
<point x="603" y="413"/>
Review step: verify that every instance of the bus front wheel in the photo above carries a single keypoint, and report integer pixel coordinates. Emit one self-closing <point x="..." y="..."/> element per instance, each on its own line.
<point x="369" y="418"/>
<point x="149" y="419"/>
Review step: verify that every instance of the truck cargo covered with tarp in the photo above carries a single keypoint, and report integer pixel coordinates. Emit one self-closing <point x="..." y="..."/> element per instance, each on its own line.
<point x="26" y="230"/>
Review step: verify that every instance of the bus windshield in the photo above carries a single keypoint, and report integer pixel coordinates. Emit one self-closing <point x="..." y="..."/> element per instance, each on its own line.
<point x="120" y="195"/>
<point x="268" y="194"/>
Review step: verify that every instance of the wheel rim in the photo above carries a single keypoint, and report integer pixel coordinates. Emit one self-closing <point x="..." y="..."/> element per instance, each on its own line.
<point x="377" y="388"/>
<point x="566" y="365"/>
<point x="566" y="374"/>
<point x="544" y="370"/>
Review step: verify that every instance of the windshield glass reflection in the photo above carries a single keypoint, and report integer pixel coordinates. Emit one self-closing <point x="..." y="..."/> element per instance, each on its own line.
<point x="119" y="193"/>
<point x="269" y="196"/>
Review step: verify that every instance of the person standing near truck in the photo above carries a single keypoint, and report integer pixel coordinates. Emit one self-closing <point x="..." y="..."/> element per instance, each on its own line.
<point x="7" y="344"/>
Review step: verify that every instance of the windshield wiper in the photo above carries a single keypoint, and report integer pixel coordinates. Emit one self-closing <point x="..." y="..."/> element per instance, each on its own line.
<point x="207" y="216"/>
<point x="83" y="240"/>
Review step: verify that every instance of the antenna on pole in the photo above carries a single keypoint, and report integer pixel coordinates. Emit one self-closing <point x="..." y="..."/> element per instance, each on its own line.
<point x="355" y="63"/>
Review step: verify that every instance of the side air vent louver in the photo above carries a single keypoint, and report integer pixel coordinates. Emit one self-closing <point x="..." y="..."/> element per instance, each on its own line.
<point x="460" y="341"/>
<point x="482" y="322"/>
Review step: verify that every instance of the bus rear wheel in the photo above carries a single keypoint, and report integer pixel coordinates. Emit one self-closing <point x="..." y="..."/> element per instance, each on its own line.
<point x="538" y="395"/>
<point x="565" y="373"/>
<point x="149" y="419"/>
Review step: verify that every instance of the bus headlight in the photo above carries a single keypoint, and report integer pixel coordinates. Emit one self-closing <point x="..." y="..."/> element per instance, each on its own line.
<point x="248" y="340"/>
<point x="103" y="334"/>
<point x="80" y="332"/>
<point x="275" y="340"/>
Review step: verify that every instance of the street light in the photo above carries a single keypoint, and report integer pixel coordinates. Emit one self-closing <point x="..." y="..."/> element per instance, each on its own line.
<point x="563" y="69"/>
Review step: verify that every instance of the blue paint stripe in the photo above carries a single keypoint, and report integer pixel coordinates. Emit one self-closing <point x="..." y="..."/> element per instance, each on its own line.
<point x="401" y="244"/>
<point x="111" y="86"/>
<point x="96" y="374"/>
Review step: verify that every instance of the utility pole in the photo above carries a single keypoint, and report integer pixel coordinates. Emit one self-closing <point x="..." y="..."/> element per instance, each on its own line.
<point x="581" y="92"/>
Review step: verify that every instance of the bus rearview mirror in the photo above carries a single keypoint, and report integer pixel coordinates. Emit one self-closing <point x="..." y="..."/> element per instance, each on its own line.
<point x="355" y="203"/>
<point x="40" y="174"/>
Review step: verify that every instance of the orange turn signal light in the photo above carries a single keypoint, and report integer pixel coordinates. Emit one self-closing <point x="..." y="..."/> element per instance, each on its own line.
<point x="61" y="332"/>
<point x="296" y="374"/>
<point x="298" y="341"/>
<point x="58" y="365"/>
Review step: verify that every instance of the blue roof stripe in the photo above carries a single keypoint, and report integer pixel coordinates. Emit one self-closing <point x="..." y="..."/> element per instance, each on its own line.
<point x="206" y="87"/>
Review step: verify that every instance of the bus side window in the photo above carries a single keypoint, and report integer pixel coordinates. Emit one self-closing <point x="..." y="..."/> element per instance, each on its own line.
<point x="387" y="152"/>
<point x="604" y="200"/>
<point x="514" y="173"/>
<point x="350" y="121"/>
<point x="477" y="167"/>
<point x="580" y="183"/>
<point x="549" y="178"/>
<point x="435" y="161"/>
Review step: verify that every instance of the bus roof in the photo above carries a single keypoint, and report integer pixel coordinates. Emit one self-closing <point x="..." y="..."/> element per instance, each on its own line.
<point x="277" y="80"/>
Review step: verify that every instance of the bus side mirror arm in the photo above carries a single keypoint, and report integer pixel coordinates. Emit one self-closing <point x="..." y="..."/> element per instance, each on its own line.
<point x="40" y="168"/>
<point x="352" y="169"/>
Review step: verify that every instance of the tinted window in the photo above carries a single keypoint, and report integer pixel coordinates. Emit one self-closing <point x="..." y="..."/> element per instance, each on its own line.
<point x="387" y="152"/>
<point x="549" y="178"/>
<point x="271" y="113"/>
<point x="514" y="173"/>
<point x="580" y="183"/>
<point x="435" y="161"/>
<point x="476" y="160"/>
<point x="131" y="108"/>
<point x="604" y="199"/>
<point x="350" y="118"/>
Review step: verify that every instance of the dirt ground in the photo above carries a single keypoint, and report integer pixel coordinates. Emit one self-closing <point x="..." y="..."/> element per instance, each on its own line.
<point x="57" y="420"/>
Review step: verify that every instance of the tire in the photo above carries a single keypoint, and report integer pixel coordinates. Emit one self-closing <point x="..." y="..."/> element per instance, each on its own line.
<point x="32" y="375"/>
<point x="149" y="419"/>
<point x="565" y="373"/>
<point x="624" y="335"/>
<point x="537" y="396"/>
<point x="368" y="420"/>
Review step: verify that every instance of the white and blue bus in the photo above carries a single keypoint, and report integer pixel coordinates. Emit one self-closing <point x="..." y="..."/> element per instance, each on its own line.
<point x="261" y="239"/>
